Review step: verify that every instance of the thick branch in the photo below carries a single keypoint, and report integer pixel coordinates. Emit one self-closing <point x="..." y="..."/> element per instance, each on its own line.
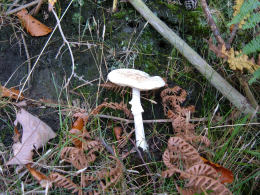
<point x="194" y="58"/>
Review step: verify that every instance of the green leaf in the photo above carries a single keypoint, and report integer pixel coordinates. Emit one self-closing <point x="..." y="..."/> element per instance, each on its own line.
<point x="256" y="76"/>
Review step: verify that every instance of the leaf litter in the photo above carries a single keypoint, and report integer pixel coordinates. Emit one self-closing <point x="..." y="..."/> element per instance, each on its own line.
<point x="35" y="135"/>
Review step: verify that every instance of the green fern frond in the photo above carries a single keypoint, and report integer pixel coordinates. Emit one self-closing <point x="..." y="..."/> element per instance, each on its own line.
<point x="256" y="76"/>
<point x="252" y="46"/>
<point x="252" y="21"/>
<point x="246" y="9"/>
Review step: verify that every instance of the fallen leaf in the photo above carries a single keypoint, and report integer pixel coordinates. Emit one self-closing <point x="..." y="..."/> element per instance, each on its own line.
<point x="17" y="135"/>
<point x="226" y="176"/>
<point x="117" y="132"/>
<point x="40" y="177"/>
<point x="78" y="124"/>
<point x="33" y="26"/>
<point x="76" y="131"/>
<point x="36" y="134"/>
<point x="11" y="93"/>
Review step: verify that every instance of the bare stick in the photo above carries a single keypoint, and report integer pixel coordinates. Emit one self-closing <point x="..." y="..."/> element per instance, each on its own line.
<point x="211" y="23"/>
<point x="28" y="57"/>
<point x="67" y="43"/>
<point x="147" y="121"/>
<point x="195" y="59"/>
<point x="38" y="7"/>
<point x="44" y="47"/>
<point x="22" y="7"/>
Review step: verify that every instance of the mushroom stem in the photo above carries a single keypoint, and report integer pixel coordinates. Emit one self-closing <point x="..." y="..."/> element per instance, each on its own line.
<point x="137" y="110"/>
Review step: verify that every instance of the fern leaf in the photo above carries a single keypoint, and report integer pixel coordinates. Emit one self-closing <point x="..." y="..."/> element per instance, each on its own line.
<point x="63" y="182"/>
<point x="246" y="9"/>
<point x="252" y="21"/>
<point x="256" y="76"/>
<point x="252" y="46"/>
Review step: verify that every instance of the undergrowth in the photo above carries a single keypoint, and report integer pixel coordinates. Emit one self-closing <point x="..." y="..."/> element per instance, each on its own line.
<point x="130" y="42"/>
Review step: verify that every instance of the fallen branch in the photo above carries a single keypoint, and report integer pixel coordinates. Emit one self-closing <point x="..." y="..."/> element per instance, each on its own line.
<point x="147" y="121"/>
<point x="22" y="7"/>
<point x="195" y="59"/>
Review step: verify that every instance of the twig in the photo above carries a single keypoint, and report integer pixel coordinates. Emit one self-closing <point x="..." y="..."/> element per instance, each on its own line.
<point x="39" y="56"/>
<point x="195" y="59"/>
<point x="232" y="36"/>
<point x="147" y="121"/>
<point x="13" y="4"/>
<point x="28" y="57"/>
<point x="248" y="92"/>
<point x="67" y="43"/>
<point x="224" y="126"/>
<point x="145" y="164"/>
<point x="109" y="148"/>
<point x="22" y="7"/>
<point x="211" y="23"/>
<point x="38" y="7"/>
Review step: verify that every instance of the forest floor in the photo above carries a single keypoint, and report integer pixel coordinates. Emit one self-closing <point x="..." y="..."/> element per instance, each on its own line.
<point x="102" y="41"/>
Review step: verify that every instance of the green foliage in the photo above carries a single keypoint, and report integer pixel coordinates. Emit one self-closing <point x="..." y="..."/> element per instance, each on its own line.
<point x="252" y="46"/>
<point x="246" y="9"/>
<point x="246" y="13"/>
<point x="252" y="21"/>
<point x="256" y="76"/>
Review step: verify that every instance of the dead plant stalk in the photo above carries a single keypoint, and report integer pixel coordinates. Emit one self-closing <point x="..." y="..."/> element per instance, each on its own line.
<point x="195" y="59"/>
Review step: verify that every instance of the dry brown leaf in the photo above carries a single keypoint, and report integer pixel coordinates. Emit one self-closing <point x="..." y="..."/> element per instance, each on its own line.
<point x="226" y="176"/>
<point x="33" y="26"/>
<point x="118" y="132"/>
<point x="40" y="177"/>
<point x="76" y="131"/>
<point x="10" y="93"/>
<point x="36" y="134"/>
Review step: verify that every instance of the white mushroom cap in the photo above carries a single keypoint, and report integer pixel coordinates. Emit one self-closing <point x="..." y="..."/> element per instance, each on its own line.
<point x="135" y="79"/>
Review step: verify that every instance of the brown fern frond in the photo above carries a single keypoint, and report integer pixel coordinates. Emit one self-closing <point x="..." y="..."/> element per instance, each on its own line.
<point x="76" y="157"/>
<point x="202" y="170"/>
<point x="182" y="148"/>
<point x="114" y="87"/>
<point x="90" y="144"/>
<point x="63" y="182"/>
<point x="113" y="105"/>
<point x="187" y="191"/>
<point x="207" y="183"/>
<point x="108" y="176"/>
<point x="170" y="172"/>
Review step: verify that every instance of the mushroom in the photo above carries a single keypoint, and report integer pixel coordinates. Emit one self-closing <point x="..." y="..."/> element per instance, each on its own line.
<point x="138" y="81"/>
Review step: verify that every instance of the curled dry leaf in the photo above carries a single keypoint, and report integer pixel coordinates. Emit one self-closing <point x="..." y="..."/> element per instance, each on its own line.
<point x="76" y="132"/>
<point x="118" y="132"/>
<point x="10" y="93"/>
<point x="61" y="181"/>
<point x="36" y="134"/>
<point x="33" y="26"/>
<point x="226" y="176"/>
<point x="40" y="177"/>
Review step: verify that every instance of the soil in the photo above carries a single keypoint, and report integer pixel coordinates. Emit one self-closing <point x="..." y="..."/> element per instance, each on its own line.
<point x="126" y="34"/>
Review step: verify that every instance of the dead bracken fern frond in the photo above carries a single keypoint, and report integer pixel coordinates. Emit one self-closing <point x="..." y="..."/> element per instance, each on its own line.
<point x="106" y="177"/>
<point x="114" y="106"/>
<point x="114" y="87"/>
<point x="207" y="183"/>
<point x="203" y="170"/>
<point x="77" y="157"/>
<point x="190" y="155"/>
<point x="61" y="181"/>
<point x="239" y="61"/>
<point x="201" y="177"/>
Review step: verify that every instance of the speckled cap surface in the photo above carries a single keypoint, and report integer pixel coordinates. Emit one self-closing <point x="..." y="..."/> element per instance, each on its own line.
<point x="135" y="79"/>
